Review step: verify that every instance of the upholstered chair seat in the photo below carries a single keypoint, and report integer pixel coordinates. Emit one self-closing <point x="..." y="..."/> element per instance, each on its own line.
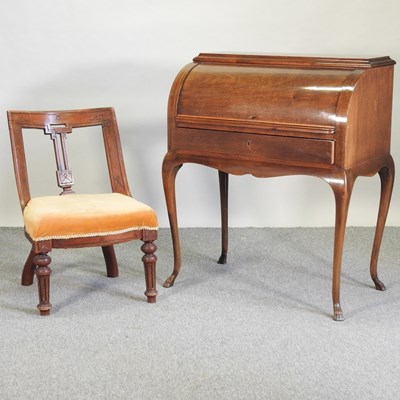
<point x="86" y="215"/>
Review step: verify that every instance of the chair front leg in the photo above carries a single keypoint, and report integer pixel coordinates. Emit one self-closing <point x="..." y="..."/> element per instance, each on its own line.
<point x="43" y="271"/>
<point x="149" y="261"/>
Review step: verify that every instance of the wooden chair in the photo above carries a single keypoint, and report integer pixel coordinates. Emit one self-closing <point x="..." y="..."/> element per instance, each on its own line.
<point x="79" y="220"/>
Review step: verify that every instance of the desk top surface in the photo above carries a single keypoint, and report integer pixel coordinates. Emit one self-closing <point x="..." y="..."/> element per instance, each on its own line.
<point x="320" y="62"/>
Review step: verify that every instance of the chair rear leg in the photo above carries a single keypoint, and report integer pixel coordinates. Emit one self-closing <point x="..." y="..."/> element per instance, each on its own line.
<point x="29" y="270"/>
<point x="43" y="271"/>
<point x="149" y="261"/>
<point x="111" y="261"/>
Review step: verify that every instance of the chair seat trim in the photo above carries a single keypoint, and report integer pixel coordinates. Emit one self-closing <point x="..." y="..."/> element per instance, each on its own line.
<point x="94" y="234"/>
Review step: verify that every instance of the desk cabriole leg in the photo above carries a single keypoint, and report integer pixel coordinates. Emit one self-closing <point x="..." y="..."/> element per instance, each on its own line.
<point x="342" y="188"/>
<point x="223" y="191"/>
<point x="169" y="171"/>
<point x="386" y="174"/>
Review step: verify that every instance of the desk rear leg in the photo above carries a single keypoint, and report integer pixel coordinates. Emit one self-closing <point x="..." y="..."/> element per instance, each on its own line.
<point x="223" y="191"/>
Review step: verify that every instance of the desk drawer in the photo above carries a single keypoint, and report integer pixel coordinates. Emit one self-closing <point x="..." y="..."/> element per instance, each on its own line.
<point x="254" y="146"/>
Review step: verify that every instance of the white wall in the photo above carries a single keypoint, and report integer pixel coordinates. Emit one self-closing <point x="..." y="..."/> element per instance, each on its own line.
<point x="64" y="54"/>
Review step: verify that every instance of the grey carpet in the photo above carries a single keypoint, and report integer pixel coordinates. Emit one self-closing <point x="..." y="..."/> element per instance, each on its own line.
<point x="259" y="327"/>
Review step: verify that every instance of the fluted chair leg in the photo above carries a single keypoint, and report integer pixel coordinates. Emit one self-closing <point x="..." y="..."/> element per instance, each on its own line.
<point x="43" y="271"/>
<point x="149" y="261"/>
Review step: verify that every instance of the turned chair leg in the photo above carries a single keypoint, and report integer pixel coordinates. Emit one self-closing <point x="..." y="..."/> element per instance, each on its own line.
<point x="43" y="271"/>
<point x="111" y="261"/>
<point x="223" y="191"/>
<point x="28" y="272"/>
<point x="149" y="261"/>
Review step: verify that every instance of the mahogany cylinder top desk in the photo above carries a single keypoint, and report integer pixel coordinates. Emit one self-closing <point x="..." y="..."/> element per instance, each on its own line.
<point x="282" y="115"/>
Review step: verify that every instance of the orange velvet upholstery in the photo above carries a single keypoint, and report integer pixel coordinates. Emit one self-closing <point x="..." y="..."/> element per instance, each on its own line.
<point x="86" y="215"/>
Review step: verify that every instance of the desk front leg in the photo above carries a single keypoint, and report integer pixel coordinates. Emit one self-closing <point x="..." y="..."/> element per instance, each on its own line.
<point x="169" y="171"/>
<point x="386" y="174"/>
<point x="342" y="186"/>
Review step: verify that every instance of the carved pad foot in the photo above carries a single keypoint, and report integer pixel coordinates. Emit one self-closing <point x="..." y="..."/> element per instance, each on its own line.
<point x="379" y="285"/>
<point x="222" y="258"/>
<point x="170" y="281"/>
<point x="337" y="313"/>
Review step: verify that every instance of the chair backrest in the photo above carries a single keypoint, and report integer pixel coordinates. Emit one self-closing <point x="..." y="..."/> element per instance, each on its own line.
<point x="58" y="124"/>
